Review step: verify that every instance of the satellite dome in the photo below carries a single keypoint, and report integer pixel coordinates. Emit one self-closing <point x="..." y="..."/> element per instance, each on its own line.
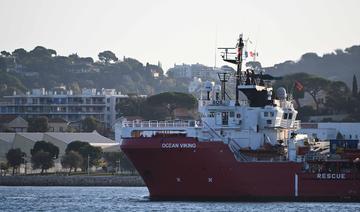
<point x="281" y="93"/>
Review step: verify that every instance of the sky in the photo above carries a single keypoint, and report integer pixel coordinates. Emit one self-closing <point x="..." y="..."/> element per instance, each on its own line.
<point x="180" y="31"/>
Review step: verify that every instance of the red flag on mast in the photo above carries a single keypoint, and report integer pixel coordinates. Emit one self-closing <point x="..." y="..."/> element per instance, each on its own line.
<point x="298" y="85"/>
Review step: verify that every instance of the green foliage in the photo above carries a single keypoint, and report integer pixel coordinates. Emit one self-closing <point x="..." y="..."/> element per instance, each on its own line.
<point x="42" y="160"/>
<point x="159" y="106"/>
<point x="44" y="146"/>
<point x="86" y="151"/>
<point x="338" y="65"/>
<point x="41" y="67"/>
<point x="313" y="85"/>
<point x="125" y="164"/>
<point x="338" y="95"/>
<point x="90" y="124"/>
<point x="354" y="87"/>
<point x="9" y="83"/>
<point x="304" y="113"/>
<point x="5" y="53"/>
<point x="169" y="101"/>
<point x="107" y="56"/>
<point x="15" y="157"/>
<point x="113" y="158"/>
<point x="339" y="136"/>
<point x="3" y="168"/>
<point x="75" y="146"/>
<point x="72" y="160"/>
<point x="43" y="154"/>
<point x="39" y="124"/>
<point x="131" y="106"/>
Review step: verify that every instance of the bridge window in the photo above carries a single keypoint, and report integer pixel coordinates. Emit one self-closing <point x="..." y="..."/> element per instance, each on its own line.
<point x="290" y="115"/>
<point x="285" y="116"/>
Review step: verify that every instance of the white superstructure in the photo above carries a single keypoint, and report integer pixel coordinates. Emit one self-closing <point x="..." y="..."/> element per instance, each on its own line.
<point x="257" y="120"/>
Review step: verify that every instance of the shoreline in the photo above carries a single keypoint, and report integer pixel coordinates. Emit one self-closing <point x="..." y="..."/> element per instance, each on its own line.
<point x="125" y="181"/>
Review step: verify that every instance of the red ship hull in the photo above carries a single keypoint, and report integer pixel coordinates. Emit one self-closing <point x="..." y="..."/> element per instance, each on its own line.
<point x="183" y="168"/>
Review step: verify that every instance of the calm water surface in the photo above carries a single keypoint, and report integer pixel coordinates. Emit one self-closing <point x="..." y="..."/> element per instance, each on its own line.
<point x="134" y="199"/>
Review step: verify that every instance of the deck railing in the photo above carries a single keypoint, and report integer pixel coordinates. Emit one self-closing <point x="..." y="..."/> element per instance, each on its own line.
<point x="161" y="124"/>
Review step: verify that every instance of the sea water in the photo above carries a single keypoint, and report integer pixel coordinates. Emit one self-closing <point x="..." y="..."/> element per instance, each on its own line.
<point x="136" y="199"/>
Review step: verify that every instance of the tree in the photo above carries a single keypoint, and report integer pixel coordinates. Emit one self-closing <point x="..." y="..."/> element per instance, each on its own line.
<point x="43" y="154"/>
<point x="72" y="160"/>
<point x="86" y="151"/>
<point x="40" y="51"/>
<point x="15" y="158"/>
<point x="337" y="94"/>
<point x="107" y="56"/>
<point x="90" y="124"/>
<point x="126" y="164"/>
<point x="19" y="53"/>
<point x="354" y="87"/>
<point x="44" y="146"/>
<point x="313" y="85"/>
<point x="112" y="159"/>
<point x="131" y="106"/>
<point x="42" y="160"/>
<point x="172" y="100"/>
<point x="3" y="168"/>
<point x="339" y="136"/>
<point x="5" y="53"/>
<point x="39" y="124"/>
<point x="3" y="65"/>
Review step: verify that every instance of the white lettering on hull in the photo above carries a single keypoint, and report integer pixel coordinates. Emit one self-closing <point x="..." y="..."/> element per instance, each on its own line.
<point x="176" y="145"/>
<point x="331" y="176"/>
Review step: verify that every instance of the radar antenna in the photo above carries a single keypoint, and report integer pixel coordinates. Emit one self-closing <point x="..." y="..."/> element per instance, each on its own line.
<point x="229" y="57"/>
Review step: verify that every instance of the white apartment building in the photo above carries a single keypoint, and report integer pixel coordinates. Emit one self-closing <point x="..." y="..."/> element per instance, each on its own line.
<point x="65" y="104"/>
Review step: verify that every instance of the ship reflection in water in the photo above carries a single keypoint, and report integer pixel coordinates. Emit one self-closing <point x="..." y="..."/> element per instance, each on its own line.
<point x="135" y="199"/>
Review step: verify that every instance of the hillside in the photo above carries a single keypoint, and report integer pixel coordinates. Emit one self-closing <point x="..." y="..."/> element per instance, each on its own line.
<point x="21" y="70"/>
<point x="42" y="67"/>
<point x="340" y="65"/>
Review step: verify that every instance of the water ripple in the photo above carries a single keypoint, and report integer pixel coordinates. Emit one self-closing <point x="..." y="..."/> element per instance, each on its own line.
<point x="135" y="199"/>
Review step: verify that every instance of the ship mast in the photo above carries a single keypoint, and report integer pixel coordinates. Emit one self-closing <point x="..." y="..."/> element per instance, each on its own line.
<point x="240" y="47"/>
<point x="227" y="56"/>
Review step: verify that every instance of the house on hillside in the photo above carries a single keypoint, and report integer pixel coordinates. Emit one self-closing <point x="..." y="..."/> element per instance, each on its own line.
<point x="12" y="123"/>
<point x="58" y="125"/>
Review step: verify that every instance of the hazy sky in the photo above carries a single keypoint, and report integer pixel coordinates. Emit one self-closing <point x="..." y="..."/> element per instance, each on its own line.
<point x="180" y="31"/>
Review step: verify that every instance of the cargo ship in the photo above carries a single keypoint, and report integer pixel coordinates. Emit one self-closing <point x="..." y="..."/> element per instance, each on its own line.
<point x="246" y="148"/>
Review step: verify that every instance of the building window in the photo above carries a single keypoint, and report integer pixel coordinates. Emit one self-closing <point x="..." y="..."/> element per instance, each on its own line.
<point x="272" y="114"/>
<point x="238" y="115"/>
<point x="269" y="121"/>
<point x="232" y="114"/>
<point x="108" y="108"/>
<point x="266" y="114"/>
<point x="108" y="100"/>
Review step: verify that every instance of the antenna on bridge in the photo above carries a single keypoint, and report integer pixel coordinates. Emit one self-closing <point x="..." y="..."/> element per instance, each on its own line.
<point x="235" y="58"/>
